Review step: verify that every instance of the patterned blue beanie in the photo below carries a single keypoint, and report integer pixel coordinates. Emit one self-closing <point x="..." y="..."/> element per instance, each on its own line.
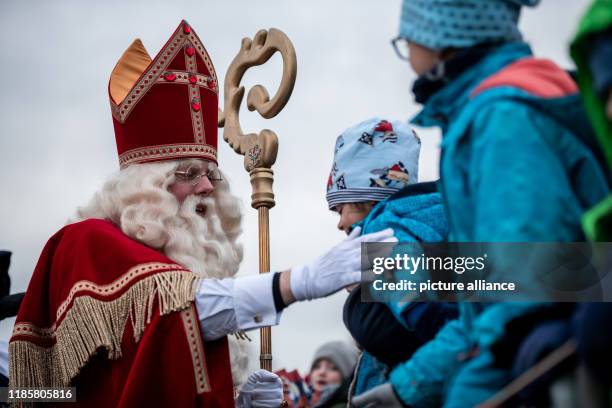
<point x="373" y="160"/>
<point x="440" y="24"/>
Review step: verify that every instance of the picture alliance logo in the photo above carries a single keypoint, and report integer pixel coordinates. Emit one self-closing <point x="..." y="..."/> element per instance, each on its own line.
<point x="413" y="264"/>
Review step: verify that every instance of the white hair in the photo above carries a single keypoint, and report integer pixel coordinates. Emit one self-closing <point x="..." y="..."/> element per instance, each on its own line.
<point x="137" y="200"/>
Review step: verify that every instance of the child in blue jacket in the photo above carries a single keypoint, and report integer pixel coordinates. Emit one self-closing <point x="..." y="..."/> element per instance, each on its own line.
<point x="374" y="184"/>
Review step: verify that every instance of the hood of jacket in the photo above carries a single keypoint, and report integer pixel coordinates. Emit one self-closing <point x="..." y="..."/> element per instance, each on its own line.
<point x="416" y="214"/>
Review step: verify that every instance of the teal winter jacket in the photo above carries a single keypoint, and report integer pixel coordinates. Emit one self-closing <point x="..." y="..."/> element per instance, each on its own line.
<point x="516" y="166"/>
<point x="416" y="214"/>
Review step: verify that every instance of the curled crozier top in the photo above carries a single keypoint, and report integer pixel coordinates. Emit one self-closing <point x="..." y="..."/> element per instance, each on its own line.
<point x="259" y="150"/>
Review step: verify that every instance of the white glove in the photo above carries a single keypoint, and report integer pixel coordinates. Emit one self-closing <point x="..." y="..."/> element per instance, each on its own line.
<point x="337" y="269"/>
<point x="382" y="396"/>
<point x="262" y="389"/>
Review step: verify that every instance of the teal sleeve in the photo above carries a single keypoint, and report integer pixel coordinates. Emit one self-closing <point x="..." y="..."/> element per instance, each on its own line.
<point x="479" y="379"/>
<point x="420" y="381"/>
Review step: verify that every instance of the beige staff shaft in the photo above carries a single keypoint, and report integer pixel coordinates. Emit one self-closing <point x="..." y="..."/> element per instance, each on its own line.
<point x="265" y="356"/>
<point x="259" y="150"/>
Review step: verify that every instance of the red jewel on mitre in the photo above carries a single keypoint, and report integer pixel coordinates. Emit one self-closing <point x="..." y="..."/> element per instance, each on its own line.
<point x="164" y="109"/>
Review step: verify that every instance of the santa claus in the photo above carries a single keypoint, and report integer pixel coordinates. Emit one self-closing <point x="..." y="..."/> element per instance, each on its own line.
<point x="132" y="302"/>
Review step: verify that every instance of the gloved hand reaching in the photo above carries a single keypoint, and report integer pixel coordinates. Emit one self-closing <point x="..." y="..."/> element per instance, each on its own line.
<point x="262" y="389"/>
<point x="337" y="269"/>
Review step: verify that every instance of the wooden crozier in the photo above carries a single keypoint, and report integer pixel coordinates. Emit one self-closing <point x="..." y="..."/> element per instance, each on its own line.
<point x="259" y="150"/>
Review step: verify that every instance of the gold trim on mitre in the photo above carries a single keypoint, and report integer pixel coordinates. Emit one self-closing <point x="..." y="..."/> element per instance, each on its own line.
<point x="129" y="68"/>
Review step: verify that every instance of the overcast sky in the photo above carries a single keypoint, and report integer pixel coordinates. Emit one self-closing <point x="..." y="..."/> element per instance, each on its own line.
<point x="57" y="144"/>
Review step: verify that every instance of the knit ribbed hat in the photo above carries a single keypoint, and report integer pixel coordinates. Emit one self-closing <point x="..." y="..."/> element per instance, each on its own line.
<point x="342" y="354"/>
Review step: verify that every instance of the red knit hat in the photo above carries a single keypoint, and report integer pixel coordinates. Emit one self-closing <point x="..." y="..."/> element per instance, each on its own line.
<point x="165" y="108"/>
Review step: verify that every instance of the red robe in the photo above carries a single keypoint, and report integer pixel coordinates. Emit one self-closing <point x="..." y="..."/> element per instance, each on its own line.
<point x="115" y="319"/>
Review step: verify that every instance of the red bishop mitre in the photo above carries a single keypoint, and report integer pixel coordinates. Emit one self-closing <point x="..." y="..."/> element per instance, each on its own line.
<point x="165" y="108"/>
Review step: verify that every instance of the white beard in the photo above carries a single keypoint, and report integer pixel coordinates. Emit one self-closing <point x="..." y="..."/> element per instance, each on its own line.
<point x="200" y="243"/>
<point x="242" y="356"/>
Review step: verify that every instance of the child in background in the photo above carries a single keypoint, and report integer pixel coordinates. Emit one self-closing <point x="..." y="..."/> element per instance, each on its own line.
<point x="331" y="373"/>
<point x="327" y="383"/>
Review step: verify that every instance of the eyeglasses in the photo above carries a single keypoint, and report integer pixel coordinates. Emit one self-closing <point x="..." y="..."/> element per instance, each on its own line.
<point x="400" y="46"/>
<point x="193" y="174"/>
